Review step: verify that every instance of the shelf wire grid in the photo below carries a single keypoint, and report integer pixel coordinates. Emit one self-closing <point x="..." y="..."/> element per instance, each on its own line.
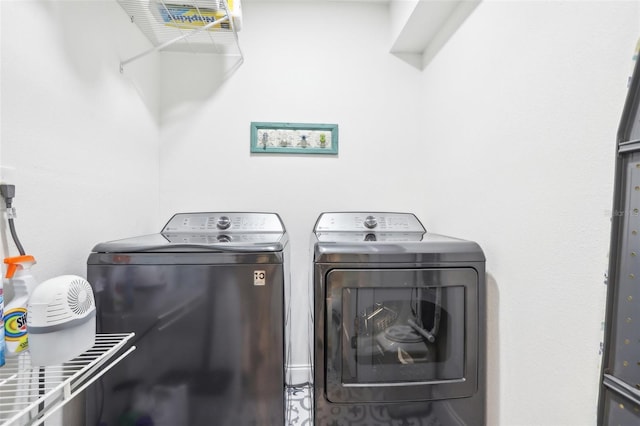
<point x="219" y="37"/>
<point x="29" y="395"/>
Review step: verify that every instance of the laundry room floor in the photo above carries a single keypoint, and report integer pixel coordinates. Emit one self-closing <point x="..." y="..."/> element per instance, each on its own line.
<point x="298" y="400"/>
<point x="298" y="413"/>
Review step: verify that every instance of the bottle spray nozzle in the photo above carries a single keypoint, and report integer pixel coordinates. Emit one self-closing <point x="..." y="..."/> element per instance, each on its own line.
<point x="18" y="262"/>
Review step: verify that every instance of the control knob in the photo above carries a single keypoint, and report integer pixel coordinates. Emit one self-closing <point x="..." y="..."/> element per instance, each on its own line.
<point x="370" y="222"/>
<point x="223" y="222"/>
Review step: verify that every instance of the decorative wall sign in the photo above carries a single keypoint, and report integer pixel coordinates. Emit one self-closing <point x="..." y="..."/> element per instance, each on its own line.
<point x="294" y="138"/>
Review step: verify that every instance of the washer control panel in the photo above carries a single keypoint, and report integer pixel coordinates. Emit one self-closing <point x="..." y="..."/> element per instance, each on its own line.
<point x="368" y="222"/>
<point x="221" y="238"/>
<point x="227" y="222"/>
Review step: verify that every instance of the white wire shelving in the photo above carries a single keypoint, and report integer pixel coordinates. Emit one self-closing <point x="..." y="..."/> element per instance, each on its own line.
<point x="196" y="26"/>
<point x="29" y="395"/>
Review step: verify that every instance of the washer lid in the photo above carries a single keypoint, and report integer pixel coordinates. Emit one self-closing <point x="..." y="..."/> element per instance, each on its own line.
<point x="208" y="232"/>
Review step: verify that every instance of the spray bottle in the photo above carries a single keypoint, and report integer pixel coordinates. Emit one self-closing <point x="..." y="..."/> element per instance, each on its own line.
<point x="2" y="360"/>
<point x="15" y="312"/>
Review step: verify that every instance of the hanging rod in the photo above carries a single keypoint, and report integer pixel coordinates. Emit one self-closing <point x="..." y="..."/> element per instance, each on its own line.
<point x="175" y="40"/>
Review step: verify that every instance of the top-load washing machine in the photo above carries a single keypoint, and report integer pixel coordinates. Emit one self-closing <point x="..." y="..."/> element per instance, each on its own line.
<point x="205" y="299"/>
<point x="399" y="323"/>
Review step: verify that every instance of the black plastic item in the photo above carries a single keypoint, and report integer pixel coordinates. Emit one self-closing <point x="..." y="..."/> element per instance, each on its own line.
<point x="620" y="374"/>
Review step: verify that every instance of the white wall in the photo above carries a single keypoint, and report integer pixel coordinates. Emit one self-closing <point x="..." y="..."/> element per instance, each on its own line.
<point x="318" y="62"/>
<point x="79" y="140"/>
<point x="520" y="111"/>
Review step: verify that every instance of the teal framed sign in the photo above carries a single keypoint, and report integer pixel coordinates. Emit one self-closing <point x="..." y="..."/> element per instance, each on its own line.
<point x="294" y="138"/>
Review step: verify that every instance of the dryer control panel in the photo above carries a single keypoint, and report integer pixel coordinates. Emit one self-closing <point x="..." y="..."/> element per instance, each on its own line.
<point x="367" y="222"/>
<point x="368" y="227"/>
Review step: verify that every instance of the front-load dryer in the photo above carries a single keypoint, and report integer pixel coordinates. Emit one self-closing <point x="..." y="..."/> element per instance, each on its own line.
<point x="205" y="299"/>
<point x="399" y="323"/>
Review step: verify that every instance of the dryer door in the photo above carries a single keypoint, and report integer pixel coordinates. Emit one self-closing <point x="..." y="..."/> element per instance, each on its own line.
<point x="401" y="334"/>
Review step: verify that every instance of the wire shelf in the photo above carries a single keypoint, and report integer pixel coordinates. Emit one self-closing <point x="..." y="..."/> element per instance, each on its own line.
<point x="210" y="27"/>
<point x="29" y="395"/>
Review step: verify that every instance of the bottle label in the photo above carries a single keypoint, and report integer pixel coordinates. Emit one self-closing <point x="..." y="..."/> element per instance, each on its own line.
<point x="2" y="360"/>
<point x="15" y="329"/>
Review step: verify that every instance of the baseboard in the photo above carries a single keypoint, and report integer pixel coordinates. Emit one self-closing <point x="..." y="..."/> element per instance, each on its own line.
<point x="297" y="374"/>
